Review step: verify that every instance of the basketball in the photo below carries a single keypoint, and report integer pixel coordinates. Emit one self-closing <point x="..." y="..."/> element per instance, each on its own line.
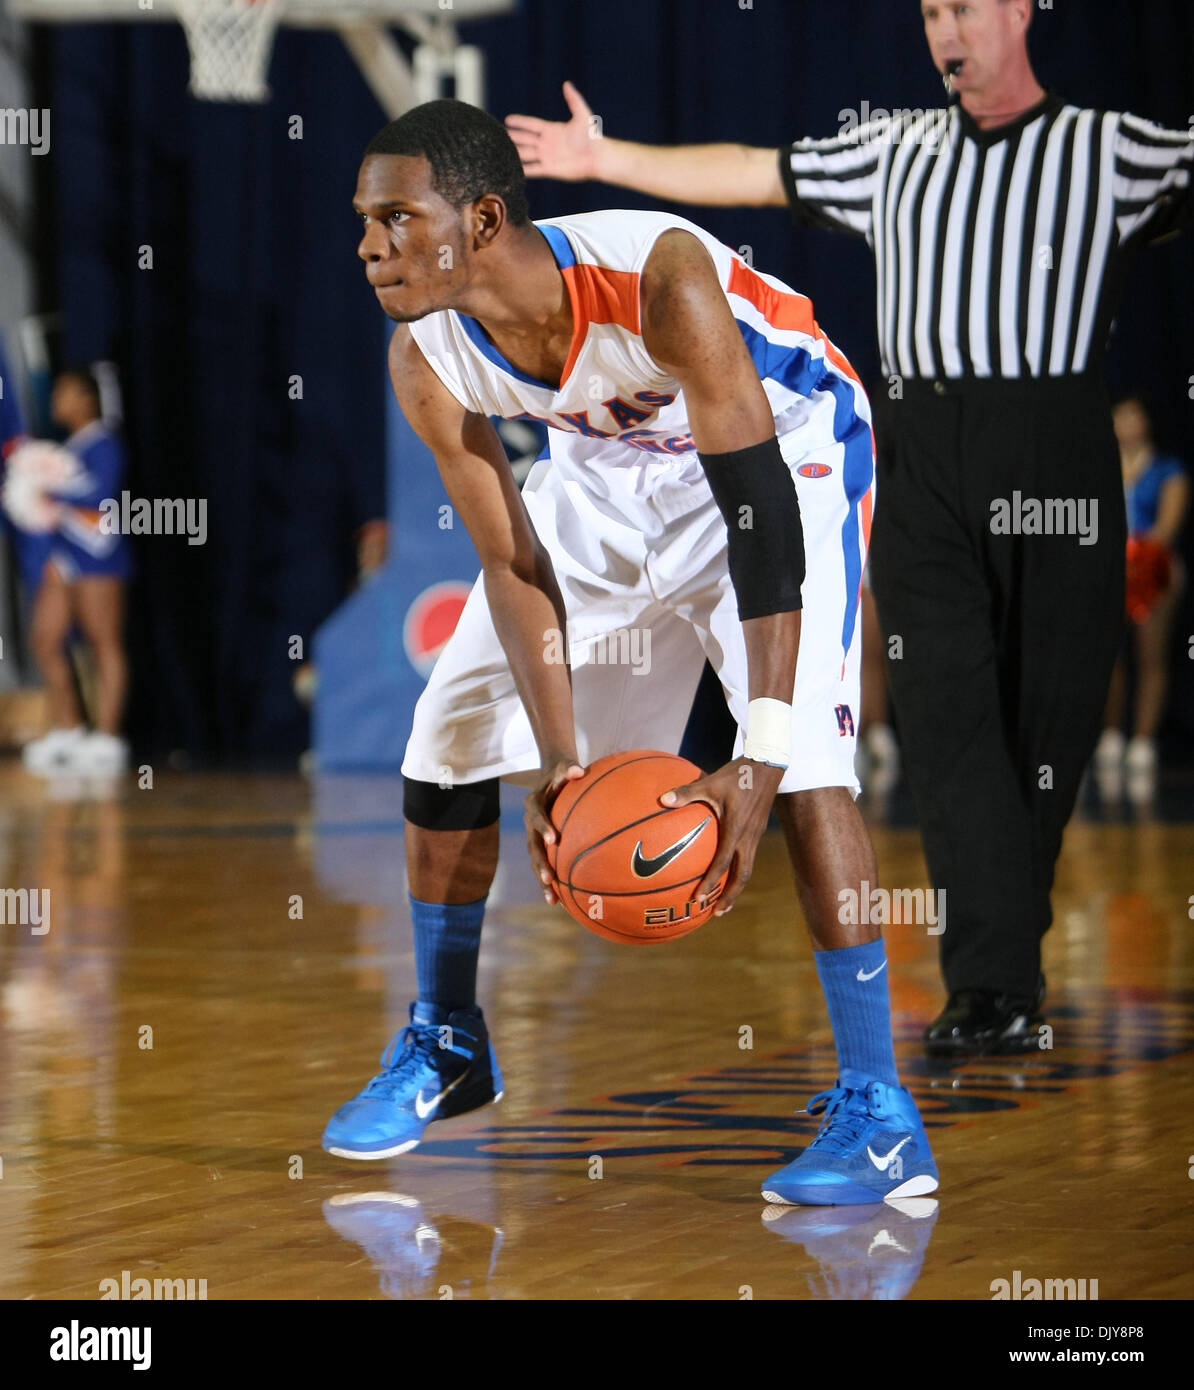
<point x="625" y="866"/>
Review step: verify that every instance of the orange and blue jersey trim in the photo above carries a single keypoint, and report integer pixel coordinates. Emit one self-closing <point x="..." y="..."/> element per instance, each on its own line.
<point x="596" y="293"/>
<point x="801" y="372"/>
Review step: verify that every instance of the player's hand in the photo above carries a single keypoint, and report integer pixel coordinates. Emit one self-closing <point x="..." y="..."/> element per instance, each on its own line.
<point x="540" y="831"/>
<point x="742" y="794"/>
<point x="558" y="149"/>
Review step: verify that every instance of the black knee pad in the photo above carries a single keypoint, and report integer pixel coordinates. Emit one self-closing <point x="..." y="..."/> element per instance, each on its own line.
<point x="472" y="806"/>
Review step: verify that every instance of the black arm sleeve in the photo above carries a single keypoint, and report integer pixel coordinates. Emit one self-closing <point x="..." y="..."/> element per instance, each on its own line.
<point x="754" y="490"/>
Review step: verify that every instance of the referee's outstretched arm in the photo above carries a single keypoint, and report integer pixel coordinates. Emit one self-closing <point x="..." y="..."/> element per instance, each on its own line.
<point x="712" y="175"/>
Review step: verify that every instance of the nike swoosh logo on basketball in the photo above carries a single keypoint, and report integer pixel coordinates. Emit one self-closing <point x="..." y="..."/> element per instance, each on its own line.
<point x="645" y="868"/>
<point x="423" y="1108"/>
<point x="871" y="976"/>
<point x="881" y="1163"/>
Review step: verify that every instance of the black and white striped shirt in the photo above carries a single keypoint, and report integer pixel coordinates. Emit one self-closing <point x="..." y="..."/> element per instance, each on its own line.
<point x="999" y="252"/>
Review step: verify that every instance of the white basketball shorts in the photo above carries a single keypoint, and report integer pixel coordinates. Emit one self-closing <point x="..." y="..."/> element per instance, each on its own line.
<point x="640" y="554"/>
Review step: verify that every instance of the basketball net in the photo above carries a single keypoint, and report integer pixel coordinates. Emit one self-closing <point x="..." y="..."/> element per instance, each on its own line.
<point x="230" y="43"/>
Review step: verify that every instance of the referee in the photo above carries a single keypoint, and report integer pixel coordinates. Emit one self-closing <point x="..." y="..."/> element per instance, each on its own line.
<point x="1000" y="226"/>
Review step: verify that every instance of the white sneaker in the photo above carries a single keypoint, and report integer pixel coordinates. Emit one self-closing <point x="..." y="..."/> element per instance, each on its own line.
<point x="51" y="752"/>
<point x="98" y="754"/>
<point x="1109" y="752"/>
<point x="1141" y="755"/>
<point x="881" y="744"/>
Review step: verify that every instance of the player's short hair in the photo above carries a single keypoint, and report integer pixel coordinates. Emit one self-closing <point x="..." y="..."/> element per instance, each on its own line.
<point x="469" y="152"/>
<point x="85" y="378"/>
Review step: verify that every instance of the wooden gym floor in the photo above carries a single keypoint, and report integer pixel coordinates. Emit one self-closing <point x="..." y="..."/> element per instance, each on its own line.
<point x="174" y="921"/>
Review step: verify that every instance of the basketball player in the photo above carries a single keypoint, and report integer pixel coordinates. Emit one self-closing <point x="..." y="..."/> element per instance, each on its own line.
<point x="683" y="495"/>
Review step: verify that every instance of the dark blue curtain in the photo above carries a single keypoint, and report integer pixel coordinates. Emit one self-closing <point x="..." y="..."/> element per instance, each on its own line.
<point x="251" y="356"/>
<point x="254" y="277"/>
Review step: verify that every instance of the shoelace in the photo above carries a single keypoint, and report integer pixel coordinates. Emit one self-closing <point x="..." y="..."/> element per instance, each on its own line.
<point x="407" y="1050"/>
<point x="846" y="1116"/>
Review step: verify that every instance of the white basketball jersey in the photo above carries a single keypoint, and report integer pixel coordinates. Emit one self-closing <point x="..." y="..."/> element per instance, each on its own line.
<point x="611" y="389"/>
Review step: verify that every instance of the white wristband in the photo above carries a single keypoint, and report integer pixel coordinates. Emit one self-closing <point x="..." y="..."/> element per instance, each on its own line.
<point x="768" y="732"/>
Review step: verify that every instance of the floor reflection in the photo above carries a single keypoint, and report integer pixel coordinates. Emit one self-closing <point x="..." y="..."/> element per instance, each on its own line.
<point x="417" y="1256"/>
<point x="863" y="1253"/>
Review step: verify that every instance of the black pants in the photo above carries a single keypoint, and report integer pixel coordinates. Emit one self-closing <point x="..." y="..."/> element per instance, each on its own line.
<point x="1005" y="642"/>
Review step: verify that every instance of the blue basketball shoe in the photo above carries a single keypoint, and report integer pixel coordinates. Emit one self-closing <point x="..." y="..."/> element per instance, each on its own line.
<point x="436" y="1067"/>
<point x="871" y="1146"/>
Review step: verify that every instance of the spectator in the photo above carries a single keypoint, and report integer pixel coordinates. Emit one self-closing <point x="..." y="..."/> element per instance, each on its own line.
<point x="83" y="585"/>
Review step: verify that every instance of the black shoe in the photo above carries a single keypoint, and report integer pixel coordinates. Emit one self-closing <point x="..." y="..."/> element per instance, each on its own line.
<point x="979" y="1022"/>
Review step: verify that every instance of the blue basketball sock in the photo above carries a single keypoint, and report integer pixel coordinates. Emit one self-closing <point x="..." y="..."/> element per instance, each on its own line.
<point x="447" y="943"/>
<point x="856" y="992"/>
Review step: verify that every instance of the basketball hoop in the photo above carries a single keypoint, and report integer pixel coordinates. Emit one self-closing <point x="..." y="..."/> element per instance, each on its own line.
<point x="230" y="43"/>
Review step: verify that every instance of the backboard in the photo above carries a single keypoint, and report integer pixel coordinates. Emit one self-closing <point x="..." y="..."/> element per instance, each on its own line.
<point x="313" y="14"/>
<point x="236" y="74"/>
